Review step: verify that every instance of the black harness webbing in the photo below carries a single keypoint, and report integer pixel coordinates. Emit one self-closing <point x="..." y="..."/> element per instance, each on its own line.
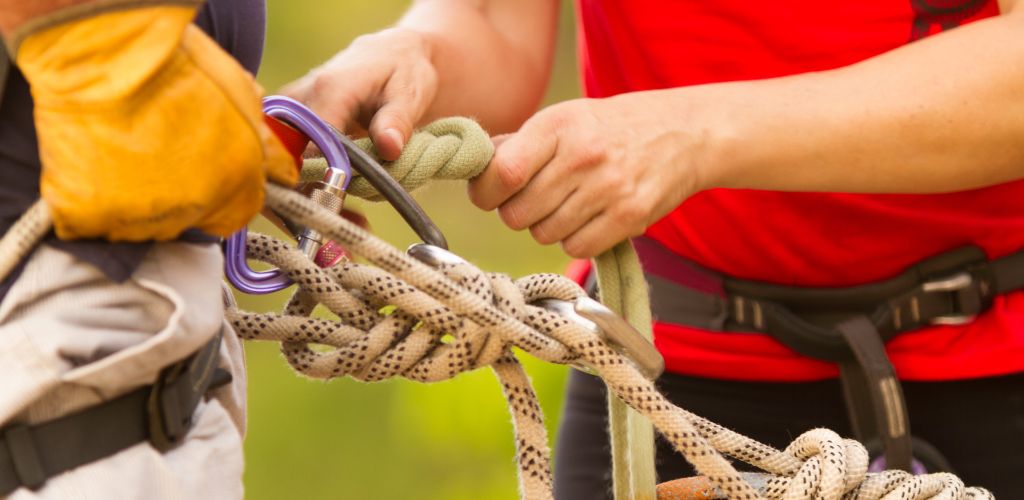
<point x="5" y="70"/>
<point x="845" y="325"/>
<point x="160" y="413"/>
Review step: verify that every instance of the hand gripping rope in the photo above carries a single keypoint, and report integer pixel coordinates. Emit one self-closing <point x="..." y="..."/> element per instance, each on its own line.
<point x="427" y="321"/>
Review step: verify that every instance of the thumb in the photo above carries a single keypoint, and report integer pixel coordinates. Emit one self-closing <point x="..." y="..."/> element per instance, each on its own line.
<point x="389" y="134"/>
<point x="404" y="101"/>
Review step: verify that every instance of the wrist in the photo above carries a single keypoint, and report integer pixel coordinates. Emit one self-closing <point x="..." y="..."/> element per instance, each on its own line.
<point x="706" y="137"/>
<point x="722" y="117"/>
<point x="102" y="57"/>
<point x="28" y="18"/>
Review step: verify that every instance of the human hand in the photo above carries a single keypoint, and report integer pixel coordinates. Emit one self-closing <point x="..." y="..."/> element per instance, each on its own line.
<point x="589" y="173"/>
<point x="127" y="152"/>
<point x="382" y="83"/>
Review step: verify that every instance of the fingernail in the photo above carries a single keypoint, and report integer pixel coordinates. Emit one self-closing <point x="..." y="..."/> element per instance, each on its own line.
<point x="395" y="136"/>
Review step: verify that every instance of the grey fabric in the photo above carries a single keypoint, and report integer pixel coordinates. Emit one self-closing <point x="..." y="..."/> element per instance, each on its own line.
<point x="70" y="339"/>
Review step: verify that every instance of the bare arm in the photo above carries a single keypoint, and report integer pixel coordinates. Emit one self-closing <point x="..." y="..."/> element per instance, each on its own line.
<point x="493" y="57"/>
<point x="14" y="13"/>
<point x="942" y="114"/>
<point x="485" y="58"/>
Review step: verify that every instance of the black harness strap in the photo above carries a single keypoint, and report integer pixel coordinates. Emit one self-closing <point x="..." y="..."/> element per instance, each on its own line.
<point x="5" y="70"/>
<point x="160" y="413"/>
<point x="871" y="377"/>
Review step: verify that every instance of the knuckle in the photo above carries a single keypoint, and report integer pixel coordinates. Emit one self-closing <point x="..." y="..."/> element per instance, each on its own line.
<point x="476" y="195"/>
<point x="512" y="216"/>
<point x="591" y="152"/>
<point x="365" y="39"/>
<point x="576" y="249"/>
<point x="511" y="174"/>
<point x="542" y="234"/>
<point x="556" y="117"/>
<point x="323" y="82"/>
<point x="630" y="214"/>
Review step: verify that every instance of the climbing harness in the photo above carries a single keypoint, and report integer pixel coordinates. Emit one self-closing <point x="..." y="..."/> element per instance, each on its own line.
<point x="847" y="326"/>
<point x="430" y="315"/>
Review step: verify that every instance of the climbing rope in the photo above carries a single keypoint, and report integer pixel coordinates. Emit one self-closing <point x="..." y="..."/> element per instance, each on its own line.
<point x="397" y="316"/>
<point x="448" y="149"/>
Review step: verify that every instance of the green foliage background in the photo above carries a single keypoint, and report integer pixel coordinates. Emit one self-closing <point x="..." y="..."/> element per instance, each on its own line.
<point x="398" y="439"/>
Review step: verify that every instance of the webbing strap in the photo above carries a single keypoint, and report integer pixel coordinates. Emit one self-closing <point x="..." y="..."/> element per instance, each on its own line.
<point x="872" y="379"/>
<point x="1008" y="273"/>
<point x="160" y="413"/>
<point x="622" y="288"/>
<point x="5" y="71"/>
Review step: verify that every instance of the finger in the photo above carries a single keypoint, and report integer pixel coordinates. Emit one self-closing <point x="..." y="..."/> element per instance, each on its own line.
<point x="404" y="101"/>
<point x="325" y="95"/>
<point x="515" y="162"/>
<point x="567" y="219"/>
<point x="498" y="140"/>
<point x="298" y="89"/>
<point x="548" y="190"/>
<point x="599" y="234"/>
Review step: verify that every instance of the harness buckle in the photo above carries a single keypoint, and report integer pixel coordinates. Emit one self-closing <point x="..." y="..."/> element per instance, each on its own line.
<point x="963" y="296"/>
<point x="166" y="424"/>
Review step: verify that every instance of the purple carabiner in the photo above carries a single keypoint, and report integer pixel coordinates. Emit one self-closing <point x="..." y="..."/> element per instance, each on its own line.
<point x="298" y="116"/>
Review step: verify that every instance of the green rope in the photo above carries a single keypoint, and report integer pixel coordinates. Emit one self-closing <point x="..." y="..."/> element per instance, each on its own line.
<point x="458" y="149"/>
<point x="450" y="148"/>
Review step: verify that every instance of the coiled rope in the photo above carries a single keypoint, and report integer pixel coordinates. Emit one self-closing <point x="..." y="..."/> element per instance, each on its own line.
<point x="400" y="317"/>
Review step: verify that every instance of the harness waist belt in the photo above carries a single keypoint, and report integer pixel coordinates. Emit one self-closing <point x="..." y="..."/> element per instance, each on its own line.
<point x="949" y="289"/>
<point x="160" y="413"/>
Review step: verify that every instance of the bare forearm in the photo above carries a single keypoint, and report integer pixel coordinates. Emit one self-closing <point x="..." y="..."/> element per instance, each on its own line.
<point x="14" y="13"/>
<point x="942" y="114"/>
<point x="19" y="18"/>
<point x="493" y="57"/>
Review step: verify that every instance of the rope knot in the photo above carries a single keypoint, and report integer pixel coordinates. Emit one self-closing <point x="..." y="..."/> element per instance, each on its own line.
<point x="450" y="149"/>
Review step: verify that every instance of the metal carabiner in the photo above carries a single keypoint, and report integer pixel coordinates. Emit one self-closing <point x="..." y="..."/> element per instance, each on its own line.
<point x="343" y="156"/>
<point x="611" y="327"/>
<point x="585" y="311"/>
<point x="294" y="114"/>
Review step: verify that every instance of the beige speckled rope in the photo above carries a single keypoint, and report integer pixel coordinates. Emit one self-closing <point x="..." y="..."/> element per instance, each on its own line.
<point x="486" y="314"/>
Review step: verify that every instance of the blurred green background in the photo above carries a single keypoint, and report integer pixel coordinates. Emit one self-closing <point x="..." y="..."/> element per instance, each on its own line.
<point x="398" y="439"/>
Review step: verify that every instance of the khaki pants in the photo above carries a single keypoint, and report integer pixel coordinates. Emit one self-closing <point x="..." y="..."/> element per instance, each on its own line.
<point x="70" y="338"/>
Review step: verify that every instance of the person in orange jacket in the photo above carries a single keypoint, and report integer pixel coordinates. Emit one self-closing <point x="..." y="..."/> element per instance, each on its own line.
<point x="811" y="145"/>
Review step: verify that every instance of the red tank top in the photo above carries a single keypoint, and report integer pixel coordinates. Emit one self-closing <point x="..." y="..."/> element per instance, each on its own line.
<point x="809" y="239"/>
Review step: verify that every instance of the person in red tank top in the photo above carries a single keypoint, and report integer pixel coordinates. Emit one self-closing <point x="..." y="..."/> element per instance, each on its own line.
<point x="812" y="144"/>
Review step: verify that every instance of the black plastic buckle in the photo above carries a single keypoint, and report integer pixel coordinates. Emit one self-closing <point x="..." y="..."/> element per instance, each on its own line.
<point x="24" y="454"/>
<point x="166" y="424"/>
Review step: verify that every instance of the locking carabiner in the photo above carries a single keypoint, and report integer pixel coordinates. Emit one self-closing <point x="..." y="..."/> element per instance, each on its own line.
<point x="343" y="156"/>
